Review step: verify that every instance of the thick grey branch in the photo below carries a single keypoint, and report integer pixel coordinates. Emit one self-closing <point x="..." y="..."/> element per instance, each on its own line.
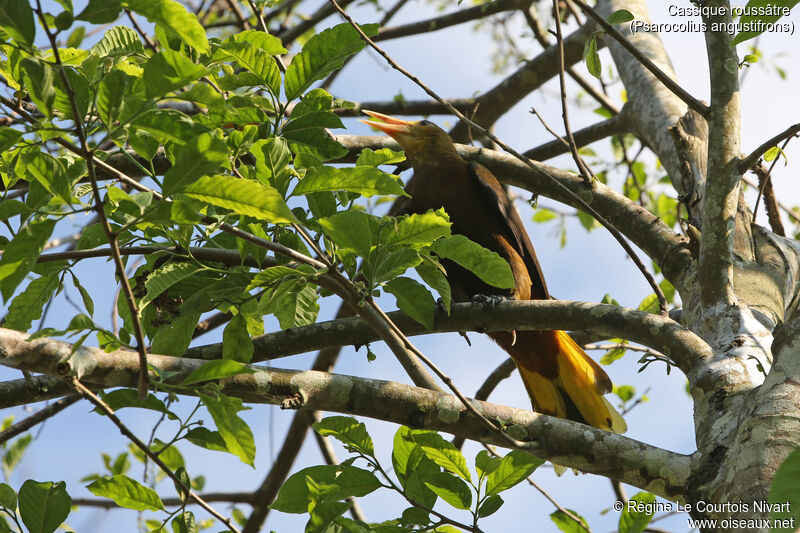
<point x="654" y="331"/>
<point x="565" y="442"/>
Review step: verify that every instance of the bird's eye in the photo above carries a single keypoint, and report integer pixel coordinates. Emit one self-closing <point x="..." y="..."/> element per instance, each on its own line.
<point x="425" y="123"/>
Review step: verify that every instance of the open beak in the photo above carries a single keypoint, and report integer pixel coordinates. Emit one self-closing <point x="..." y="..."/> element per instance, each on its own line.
<point x="393" y="127"/>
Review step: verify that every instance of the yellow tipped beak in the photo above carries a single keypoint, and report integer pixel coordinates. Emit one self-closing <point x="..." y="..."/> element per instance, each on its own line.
<point x="390" y="126"/>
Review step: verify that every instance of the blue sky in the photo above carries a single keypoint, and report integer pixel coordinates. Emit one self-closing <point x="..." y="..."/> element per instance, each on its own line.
<point x="590" y="266"/>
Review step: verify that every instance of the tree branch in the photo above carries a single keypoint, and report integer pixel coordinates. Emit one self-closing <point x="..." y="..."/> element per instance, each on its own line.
<point x="450" y="19"/>
<point x="582" y="137"/>
<point x="565" y="442"/>
<point x="668" y="82"/>
<point x="720" y="203"/>
<point x="749" y="162"/>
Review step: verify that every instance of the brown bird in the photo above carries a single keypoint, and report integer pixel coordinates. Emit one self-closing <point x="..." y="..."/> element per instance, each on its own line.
<point x="561" y="379"/>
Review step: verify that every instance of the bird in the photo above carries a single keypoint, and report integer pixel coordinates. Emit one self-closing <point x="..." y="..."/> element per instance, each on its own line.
<point x="560" y="378"/>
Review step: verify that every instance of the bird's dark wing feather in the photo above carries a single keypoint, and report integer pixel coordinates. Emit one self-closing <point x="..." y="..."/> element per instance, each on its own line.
<point x="402" y="205"/>
<point x="509" y="217"/>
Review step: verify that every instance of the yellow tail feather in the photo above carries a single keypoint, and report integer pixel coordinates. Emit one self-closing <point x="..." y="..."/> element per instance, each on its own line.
<point x="579" y="378"/>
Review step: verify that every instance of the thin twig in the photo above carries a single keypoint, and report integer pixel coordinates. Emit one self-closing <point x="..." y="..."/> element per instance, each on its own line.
<point x="663" y="308"/>
<point x="104" y="407"/>
<point x="660" y="75"/>
<point x="583" y="168"/>
<point x="790" y="212"/>
<point x="748" y="162"/>
<point x="766" y="190"/>
<point x="150" y="44"/>
<point x="38" y="417"/>
<point x="88" y="155"/>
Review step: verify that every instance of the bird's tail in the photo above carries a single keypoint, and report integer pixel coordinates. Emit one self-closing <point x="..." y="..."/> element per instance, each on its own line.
<point x="561" y="379"/>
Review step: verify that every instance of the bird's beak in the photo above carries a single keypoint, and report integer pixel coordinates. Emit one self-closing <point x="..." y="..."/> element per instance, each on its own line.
<point x="393" y="127"/>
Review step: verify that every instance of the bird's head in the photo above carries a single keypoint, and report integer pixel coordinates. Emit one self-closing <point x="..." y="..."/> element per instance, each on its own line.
<point x="421" y="140"/>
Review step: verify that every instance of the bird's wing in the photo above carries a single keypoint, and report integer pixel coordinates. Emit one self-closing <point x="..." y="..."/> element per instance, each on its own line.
<point x="509" y="218"/>
<point x="402" y="204"/>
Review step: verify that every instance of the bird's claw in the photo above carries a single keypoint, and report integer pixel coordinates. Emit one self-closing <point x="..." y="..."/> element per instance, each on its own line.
<point x="489" y="300"/>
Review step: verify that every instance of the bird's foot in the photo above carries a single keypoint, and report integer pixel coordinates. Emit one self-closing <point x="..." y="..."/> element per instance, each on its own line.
<point x="490" y="300"/>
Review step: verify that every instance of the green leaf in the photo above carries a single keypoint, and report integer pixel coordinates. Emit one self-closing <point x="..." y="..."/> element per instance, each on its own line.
<point x="485" y="464"/>
<point x="43" y="506"/>
<point x="591" y="57"/>
<point x="784" y="493"/>
<point x="413" y="299"/>
<point x="11" y="208"/>
<point x="170" y="125"/>
<point x="235" y="432"/>
<point x="8" y="138"/>
<point x="587" y="221"/>
<point x="367" y="181"/>
<point x="205" y="438"/>
<point x="174" y="338"/>
<point x="255" y="60"/>
<point x="168" y="71"/>
<point x="8" y="498"/>
<point x="487" y="265"/>
<point x="451" y="489"/>
<point x="752" y="18"/>
<point x="272" y="162"/>
<point x="443" y="453"/>
<point x="21" y="253"/>
<point x="395" y="264"/>
<point x="14" y="453"/>
<point x="236" y="343"/>
<point x="437" y="280"/>
<point x="16" y="18"/>
<point x="340" y="482"/>
<point x="349" y="431"/>
<point x="217" y="369"/>
<point x="490" y="506"/>
<point x="101" y="11"/>
<point x="80" y="88"/>
<point x="121" y="398"/>
<point x="612" y="355"/>
<point x="350" y="231"/>
<point x="323" y="514"/>
<point x="637" y="514"/>
<point x="415" y="516"/>
<point x="620" y="16"/>
<point x="321" y="55"/>
<point x="771" y="154"/>
<point x="88" y="303"/>
<point x="383" y="156"/>
<point x="173" y="16"/>
<point x="38" y="79"/>
<point x="118" y="41"/>
<point x="184" y="523"/>
<point x="27" y="306"/>
<point x="126" y="492"/>
<point x="567" y="524"/>
<point x="420" y="230"/>
<point x="165" y="277"/>
<point x="297" y="308"/>
<point x="200" y="156"/>
<point x="402" y="446"/>
<point x="513" y="468"/>
<point x="243" y="197"/>
<point x="50" y="172"/>
<point x="269" y="43"/>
